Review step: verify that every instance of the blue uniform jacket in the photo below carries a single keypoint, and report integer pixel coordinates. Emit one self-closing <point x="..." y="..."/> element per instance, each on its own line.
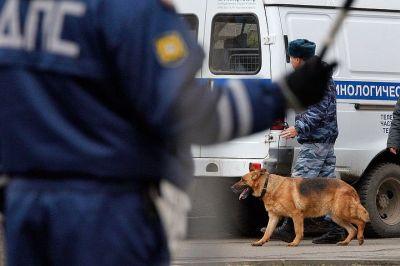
<point x="319" y="123"/>
<point x="105" y="89"/>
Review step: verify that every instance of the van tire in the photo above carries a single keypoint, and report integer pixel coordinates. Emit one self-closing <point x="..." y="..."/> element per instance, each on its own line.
<point x="379" y="192"/>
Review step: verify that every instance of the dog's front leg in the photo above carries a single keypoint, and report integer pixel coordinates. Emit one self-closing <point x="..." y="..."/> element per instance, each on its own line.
<point x="298" y="221"/>
<point x="272" y="222"/>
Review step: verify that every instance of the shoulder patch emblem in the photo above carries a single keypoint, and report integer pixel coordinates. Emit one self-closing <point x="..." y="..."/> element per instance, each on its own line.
<point x="171" y="49"/>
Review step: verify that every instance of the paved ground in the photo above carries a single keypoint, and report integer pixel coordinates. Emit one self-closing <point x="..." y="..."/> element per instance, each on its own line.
<point x="240" y="252"/>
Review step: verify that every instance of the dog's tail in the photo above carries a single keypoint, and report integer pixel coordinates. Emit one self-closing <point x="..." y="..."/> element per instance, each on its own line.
<point x="362" y="213"/>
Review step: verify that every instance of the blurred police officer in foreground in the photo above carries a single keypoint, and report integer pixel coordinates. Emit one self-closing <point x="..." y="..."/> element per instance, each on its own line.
<point x="99" y="103"/>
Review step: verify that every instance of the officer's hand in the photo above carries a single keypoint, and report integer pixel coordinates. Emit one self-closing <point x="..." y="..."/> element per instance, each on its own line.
<point x="308" y="84"/>
<point x="393" y="150"/>
<point x="289" y="133"/>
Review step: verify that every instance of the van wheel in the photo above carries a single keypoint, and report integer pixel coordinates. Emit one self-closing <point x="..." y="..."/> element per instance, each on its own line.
<point x="380" y="194"/>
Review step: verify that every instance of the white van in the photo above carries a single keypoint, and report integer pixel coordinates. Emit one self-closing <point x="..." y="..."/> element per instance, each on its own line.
<point x="248" y="39"/>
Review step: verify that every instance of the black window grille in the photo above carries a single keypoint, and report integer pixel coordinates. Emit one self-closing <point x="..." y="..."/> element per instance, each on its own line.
<point x="235" y="44"/>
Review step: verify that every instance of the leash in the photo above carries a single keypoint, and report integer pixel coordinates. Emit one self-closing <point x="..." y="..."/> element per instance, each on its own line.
<point x="285" y="126"/>
<point x="339" y="21"/>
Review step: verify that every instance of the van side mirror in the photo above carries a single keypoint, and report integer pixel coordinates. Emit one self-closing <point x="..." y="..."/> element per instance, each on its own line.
<point x="285" y="38"/>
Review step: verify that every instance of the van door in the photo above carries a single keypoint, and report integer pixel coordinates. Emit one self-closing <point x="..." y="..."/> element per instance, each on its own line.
<point x="368" y="86"/>
<point x="235" y="47"/>
<point x="366" y="80"/>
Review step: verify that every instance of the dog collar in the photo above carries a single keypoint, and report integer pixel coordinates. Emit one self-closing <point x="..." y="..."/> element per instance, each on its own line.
<point x="264" y="191"/>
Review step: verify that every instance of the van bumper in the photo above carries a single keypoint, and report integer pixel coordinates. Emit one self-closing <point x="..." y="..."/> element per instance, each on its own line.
<point x="223" y="167"/>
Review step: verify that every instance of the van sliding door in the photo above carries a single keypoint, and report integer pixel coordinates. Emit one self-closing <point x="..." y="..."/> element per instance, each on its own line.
<point x="366" y="80"/>
<point x="235" y="48"/>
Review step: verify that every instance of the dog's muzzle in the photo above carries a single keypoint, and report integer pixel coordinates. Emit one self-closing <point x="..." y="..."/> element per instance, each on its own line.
<point x="244" y="191"/>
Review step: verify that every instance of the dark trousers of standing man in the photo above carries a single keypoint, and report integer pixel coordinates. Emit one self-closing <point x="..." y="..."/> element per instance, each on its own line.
<point x="82" y="223"/>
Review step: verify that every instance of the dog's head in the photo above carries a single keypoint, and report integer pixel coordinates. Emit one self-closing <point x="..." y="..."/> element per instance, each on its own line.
<point x="251" y="183"/>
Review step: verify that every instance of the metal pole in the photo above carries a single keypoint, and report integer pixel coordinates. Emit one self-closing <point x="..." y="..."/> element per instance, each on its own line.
<point x="339" y="21"/>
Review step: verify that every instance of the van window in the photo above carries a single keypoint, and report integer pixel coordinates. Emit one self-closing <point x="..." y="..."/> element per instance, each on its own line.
<point x="193" y="23"/>
<point x="235" y="44"/>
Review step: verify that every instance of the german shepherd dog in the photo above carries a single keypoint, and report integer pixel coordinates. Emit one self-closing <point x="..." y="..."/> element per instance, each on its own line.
<point x="300" y="198"/>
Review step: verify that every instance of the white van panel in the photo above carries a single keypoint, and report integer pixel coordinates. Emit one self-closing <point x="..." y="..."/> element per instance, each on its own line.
<point x="362" y="4"/>
<point x="311" y="24"/>
<point x="370" y="69"/>
<point x="362" y="135"/>
<point x="373" y="55"/>
<point x="277" y="50"/>
<point x="248" y="147"/>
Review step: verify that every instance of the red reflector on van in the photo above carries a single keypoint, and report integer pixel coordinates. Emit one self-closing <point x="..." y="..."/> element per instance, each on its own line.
<point x="254" y="166"/>
<point x="279" y="124"/>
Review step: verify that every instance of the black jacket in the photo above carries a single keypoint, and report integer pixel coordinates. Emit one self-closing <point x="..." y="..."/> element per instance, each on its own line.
<point x="394" y="133"/>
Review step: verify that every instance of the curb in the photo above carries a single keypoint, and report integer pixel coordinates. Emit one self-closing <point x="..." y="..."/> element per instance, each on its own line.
<point x="292" y="263"/>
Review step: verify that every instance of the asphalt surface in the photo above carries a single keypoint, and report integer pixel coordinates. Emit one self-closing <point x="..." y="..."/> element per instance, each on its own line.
<point x="240" y="252"/>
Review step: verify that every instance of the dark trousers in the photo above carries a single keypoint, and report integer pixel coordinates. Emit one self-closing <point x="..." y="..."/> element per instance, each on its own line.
<point x="82" y="223"/>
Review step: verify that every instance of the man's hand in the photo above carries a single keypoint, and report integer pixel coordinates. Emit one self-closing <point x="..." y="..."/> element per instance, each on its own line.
<point x="308" y="84"/>
<point x="393" y="150"/>
<point x="289" y="133"/>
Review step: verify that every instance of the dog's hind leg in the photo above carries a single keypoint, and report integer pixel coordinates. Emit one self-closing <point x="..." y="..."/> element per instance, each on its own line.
<point x="298" y="221"/>
<point x="351" y="230"/>
<point x="272" y="222"/>
<point x="360" y="232"/>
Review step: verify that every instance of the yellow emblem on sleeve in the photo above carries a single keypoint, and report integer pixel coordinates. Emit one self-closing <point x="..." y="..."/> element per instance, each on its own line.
<point x="171" y="49"/>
